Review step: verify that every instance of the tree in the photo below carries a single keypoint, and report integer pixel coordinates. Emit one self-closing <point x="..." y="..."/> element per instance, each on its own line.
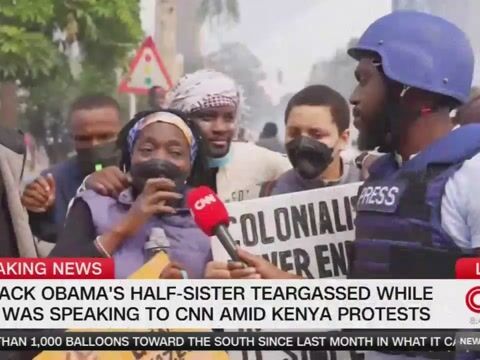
<point x="236" y="60"/>
<point x="26" y="53"/>
<point x="105" y="29"/>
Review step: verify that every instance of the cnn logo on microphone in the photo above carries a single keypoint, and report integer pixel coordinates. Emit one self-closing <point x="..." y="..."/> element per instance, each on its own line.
<point x="200" y="204"/>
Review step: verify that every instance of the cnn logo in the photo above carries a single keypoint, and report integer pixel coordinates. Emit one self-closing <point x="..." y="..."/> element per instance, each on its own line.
<point x="205" y="201"/>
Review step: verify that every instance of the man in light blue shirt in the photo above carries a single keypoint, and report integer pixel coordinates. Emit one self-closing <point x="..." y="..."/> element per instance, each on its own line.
<point x="461" y="205"/>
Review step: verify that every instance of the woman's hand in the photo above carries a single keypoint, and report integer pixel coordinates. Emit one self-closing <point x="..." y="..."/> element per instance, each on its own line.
<point x="152" y="201"/>
<point x="173" y="271"/>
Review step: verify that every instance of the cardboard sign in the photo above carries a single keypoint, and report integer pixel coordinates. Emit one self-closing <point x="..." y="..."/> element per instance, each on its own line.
<point x="150" y="270"/>
<point x="306" y="233"/>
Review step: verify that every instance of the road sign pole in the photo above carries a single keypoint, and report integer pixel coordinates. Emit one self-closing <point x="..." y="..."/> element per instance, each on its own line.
<point x="132" y="105"/>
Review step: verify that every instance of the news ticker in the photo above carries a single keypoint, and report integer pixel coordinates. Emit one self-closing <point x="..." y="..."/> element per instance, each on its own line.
<point x="365" y="340"/>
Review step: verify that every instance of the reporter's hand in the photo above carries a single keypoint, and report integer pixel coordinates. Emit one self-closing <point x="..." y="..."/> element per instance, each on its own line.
<point x="110" y="181"/>
<point x="172" y="271"/>
<point x="239" y="270"/>
<point x="217" y="270"/>
<point x="263" y="269"/>
<point x="39" y="195"/>
<point x="152" y="201"/>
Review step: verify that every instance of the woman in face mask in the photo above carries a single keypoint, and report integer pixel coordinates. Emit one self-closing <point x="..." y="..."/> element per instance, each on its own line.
<point x="317" y="119"/>
<point x="160" y="150"/>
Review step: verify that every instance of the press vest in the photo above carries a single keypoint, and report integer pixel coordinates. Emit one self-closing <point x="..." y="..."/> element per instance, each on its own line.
<point x="399" y="231"/>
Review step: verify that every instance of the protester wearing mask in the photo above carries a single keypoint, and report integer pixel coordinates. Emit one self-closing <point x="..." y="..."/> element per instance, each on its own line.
<point x="161" y="151"/>
<point x="94" y="122"/>
<point x="236" y="169"/>
<point x="317" y="121"/>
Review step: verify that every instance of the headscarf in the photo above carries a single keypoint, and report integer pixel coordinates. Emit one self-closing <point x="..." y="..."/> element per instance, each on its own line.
<point x="203" y="89"/>
<point x="167" y="118"/>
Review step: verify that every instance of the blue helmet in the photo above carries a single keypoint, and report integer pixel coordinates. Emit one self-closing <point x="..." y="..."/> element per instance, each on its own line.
<point x="422" y="51"/>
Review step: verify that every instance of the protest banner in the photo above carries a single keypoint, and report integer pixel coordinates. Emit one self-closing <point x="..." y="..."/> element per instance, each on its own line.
<point x="151" y="270"/>
<point x="306" y="233"/>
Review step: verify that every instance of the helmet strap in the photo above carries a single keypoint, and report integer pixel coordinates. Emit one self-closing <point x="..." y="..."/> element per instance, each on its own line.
<point x="404" y="90"/>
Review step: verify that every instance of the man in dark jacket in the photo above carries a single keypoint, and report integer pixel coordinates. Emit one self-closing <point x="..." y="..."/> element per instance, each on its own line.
<point x="94" y="125"/>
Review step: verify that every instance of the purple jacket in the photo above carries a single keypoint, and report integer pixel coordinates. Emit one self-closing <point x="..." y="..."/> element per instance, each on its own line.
<point x="189" y="246"/>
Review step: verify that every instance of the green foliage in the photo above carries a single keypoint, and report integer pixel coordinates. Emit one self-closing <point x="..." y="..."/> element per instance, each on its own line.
<point x="25" y="51"/>
<point x="107" y="31"/>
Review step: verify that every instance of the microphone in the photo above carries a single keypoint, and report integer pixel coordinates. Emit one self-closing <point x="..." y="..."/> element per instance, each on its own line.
<point x="211" y="216"/>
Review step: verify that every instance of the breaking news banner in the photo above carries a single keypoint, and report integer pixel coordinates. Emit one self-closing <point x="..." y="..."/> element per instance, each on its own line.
<point x="413" y="340"/>
<point x="306" y="233"/>
<point x="246" y="304"/>
<point x="57" y="268"/>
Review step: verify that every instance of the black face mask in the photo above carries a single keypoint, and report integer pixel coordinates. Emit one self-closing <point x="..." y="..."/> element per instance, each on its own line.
<point x="309" y="157"/>
<point x="98" y="157"/>
<point x="156" y="168"/>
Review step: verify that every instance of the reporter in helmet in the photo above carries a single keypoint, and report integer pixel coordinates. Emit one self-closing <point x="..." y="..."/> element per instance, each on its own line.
<point x="413" y="69"/>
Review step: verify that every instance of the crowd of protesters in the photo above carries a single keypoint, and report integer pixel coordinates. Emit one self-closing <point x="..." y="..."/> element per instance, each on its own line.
<point x="416" y="115"/>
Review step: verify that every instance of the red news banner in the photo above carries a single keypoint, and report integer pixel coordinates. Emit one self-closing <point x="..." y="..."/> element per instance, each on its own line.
<point x="57" y="268"/>
<point x="468" y="268"/>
